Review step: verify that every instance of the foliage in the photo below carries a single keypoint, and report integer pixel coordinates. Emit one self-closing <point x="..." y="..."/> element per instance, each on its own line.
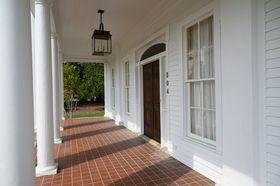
<point x="92" y="83"/>
<point x="82" y="81"/>
<point x="71" y="87"/>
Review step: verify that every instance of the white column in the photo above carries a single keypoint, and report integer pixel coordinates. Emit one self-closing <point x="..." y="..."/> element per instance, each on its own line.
<point x="55" y="83"/>
<point x="33" y="65"/>
<point x="16" y="111"/>
<point x="61" y="88"/>
<point x="106" y="89"/>
<point x="44" y="98"/>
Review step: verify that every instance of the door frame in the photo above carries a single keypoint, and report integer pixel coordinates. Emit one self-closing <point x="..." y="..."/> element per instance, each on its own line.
<point x="161" y="57"/>
<point x="161" y="36"/>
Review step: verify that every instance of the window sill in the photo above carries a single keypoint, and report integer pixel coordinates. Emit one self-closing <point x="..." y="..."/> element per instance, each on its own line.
<point x="201" y="144"/>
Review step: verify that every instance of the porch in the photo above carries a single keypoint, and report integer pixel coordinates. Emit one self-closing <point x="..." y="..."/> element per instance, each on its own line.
<point x="98" y="152"/>
<point x="210" y="94"/>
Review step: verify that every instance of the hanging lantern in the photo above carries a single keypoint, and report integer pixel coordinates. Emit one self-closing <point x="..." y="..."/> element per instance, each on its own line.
<point x="101" y="40"/>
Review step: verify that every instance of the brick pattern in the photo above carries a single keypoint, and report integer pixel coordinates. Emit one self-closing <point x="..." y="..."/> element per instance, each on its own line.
<point x="97" y="152"/>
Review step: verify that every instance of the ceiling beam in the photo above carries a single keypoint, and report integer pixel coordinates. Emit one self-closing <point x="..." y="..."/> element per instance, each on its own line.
<point x="84" y="60"/>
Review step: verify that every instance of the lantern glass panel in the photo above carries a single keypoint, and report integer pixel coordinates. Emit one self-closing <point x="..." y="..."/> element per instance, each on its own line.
<point x="101" y="43"/>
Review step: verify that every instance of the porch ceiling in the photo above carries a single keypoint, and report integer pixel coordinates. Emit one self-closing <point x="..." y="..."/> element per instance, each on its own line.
<point x="75" y="21"/>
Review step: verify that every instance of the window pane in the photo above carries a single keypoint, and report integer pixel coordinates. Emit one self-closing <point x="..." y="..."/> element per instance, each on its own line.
<point x="127" y="100"/>
<point x="196" y="123"/>
<point x="195" y="94"/>
<point x="113" y="89"/>
<point x="113" y="78"/>
<point x="127" y="79"/>
<point x="126" y="74"/>
<point x="113" y="96"/>
<point x="209" y="94"/>
<point x="126" y="85"/>
<point x="192" y="52"/>
<point x="209" y="128"/>
<point x="206" y="48"/>
<point x="206" y="32"/>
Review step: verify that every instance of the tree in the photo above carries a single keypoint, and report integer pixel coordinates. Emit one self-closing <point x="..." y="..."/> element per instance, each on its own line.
<point x="82" y="81"/>
<point x="92" y="83"/>
<point x="71" y="87"/>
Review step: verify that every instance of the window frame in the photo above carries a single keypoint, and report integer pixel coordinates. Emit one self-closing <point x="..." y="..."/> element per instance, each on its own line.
<point x="113" y="91"/>
<point x="204" y="142"/>
<point x="126" y="86"/>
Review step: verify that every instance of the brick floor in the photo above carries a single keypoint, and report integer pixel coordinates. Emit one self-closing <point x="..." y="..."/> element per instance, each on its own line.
<point x="97" y="152"/>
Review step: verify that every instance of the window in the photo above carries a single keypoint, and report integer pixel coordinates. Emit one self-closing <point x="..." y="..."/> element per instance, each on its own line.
<point x="153" y="50"/>
<point x="126" y="86"/>
<point x="113" y="89"/>
<point x="200" y="81"/>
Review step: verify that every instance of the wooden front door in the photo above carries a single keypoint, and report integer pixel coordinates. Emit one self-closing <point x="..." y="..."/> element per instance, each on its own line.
<point x="151" y="91"/>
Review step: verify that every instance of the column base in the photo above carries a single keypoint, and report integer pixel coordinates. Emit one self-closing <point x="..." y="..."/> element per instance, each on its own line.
<point x="61" y="128"/>
<point x="46" y="171"/>
<point x="58" y="141"/>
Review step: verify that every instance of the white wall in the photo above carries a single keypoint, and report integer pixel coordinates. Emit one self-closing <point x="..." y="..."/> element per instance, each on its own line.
<point x="200" y="158"/>
<point x="234" y="161"/>
<point x="110" y="111"/>
<point x="129" y="119"/>
<point x="272" y="92"/>
<point x="237" y="97"/>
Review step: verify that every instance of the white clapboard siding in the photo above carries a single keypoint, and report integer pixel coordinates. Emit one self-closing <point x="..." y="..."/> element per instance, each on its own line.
<point x="274" y="179"/>
<point x="272" y="120"/>
<point x="274" y="131"/>
<point x="271" y="15"/>
<point x="273" y="44"/>
<point x="273" y="82"/>
<point x="273" y="34"/>
<point x="274" y="63"/>
<point x="273" y="158"/>
<point x="274" y="140"/>
<point x="272" y="102"/>
<point x="271" y="5"/>
<point x="271" y="25"/>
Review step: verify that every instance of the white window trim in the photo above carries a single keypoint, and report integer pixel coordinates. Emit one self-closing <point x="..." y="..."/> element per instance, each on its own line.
<point x="189" y="134"/>
<point x="210" y="9"/>
<point x="125" y="87"/>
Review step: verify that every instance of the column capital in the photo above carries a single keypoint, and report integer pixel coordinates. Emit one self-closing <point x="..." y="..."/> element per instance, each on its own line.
<point x="44" y="2"/>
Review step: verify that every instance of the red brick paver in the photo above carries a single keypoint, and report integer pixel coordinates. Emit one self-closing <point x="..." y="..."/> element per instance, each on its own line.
<point x="97" y="152"/>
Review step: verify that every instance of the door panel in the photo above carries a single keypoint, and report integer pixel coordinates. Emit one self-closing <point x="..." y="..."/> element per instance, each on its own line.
<point x="148" y="99"/>
<point x="156" y="90"/>
<point x="151" y="84"/>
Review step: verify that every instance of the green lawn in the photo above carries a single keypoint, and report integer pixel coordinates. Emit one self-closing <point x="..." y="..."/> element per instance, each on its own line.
<point x="87" y="115"/>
